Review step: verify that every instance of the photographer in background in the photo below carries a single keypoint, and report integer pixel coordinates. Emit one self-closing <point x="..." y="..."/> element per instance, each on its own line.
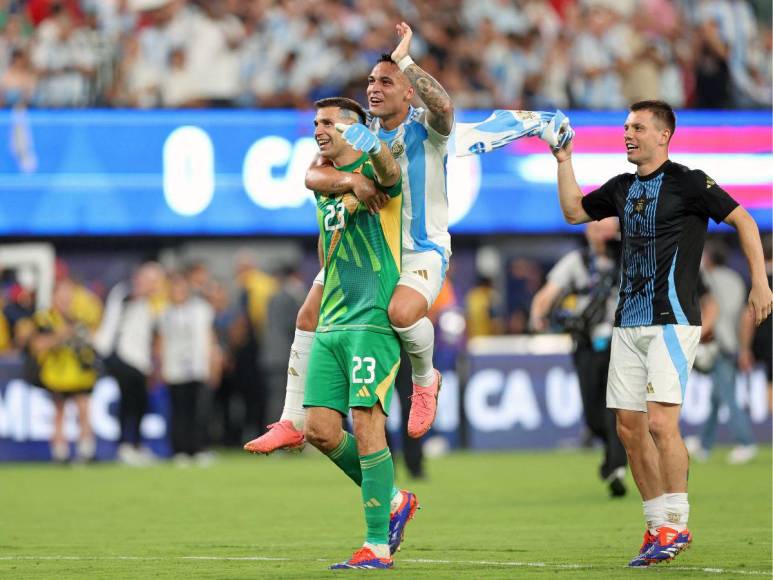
<point x="62" y="360"/>
<point x="589" y="277"/>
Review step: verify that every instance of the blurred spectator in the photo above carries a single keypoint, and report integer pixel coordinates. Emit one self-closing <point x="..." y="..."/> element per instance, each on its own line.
<point x="278" y="335"/>
<point x="85" y="305"/>
<point x="256" y="288"/>
<point x="18" y="82"/>
<point x="136" y="83"/>
<point x="39" y="10"/>
<point x="450" y="325"/>
<point x="713" y="64"/>
<point x="677" y="75"/>
<point x="553" y="89"/>
<point x="231" y="329"/>
<point x="113" y="17"/>
<point x="65" y="364"/>
<point x="215" y="53"/>
<point x="199" y="278"/>
<point x="643" y="61"/>
<point x="185" y="340"/>
<point x="481" y="306"/>
<point x="729" y="29"/>
<point x="523" y="281"/>
<point x="180" y="85"/>
<point x="505" y="15"/>
<point x="20" y="306"/>
<point x="596" y="83"/>
<point x="505" y="63"/>
<point x="16" y="36"/>
<point x="6" y="341"/>
<point x="125" y="340"/>
<point x="729" y="291"/>
<point x="65" y="60"/>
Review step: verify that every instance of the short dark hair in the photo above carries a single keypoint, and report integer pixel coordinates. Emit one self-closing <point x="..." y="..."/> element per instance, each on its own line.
<point x="385" y="57"/>
<point x="661" y="110"/>
<point x="343" y="103"/>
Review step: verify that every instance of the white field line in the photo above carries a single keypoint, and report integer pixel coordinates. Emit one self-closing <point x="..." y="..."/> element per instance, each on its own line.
<point x="506" y="564"/>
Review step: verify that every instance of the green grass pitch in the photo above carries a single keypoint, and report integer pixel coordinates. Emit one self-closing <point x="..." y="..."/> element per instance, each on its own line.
<point x="484" y="516"/>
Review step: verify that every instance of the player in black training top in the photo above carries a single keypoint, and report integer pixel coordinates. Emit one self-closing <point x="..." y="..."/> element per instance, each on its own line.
<point x="664" y="210"/>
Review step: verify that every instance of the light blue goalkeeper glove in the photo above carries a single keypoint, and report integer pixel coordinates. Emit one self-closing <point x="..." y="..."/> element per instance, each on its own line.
<point x="359" y="137"/>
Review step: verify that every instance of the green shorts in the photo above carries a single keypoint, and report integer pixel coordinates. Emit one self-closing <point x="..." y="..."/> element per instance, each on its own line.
<point x="353" y="368"/>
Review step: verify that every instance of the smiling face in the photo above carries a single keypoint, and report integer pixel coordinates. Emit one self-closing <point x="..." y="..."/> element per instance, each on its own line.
<point x="330" y="142"/>
<point x="646" y="138"/>
<point x="389" y="92"/>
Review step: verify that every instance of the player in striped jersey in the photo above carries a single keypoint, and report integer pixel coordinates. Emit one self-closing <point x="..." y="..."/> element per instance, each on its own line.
<point x="417" y="138"/>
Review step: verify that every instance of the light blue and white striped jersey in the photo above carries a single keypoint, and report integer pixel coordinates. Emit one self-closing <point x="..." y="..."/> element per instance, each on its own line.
<point x="421" y="153"/>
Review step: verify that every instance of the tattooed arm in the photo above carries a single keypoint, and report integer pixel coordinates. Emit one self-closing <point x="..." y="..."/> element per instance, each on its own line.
<point x="439" y="106"/>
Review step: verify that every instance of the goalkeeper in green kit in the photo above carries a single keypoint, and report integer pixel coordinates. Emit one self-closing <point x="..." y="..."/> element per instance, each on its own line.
<point x="356" y="354"/>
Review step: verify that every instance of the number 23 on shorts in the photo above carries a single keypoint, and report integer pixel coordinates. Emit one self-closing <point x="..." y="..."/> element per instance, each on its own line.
<point x="364" y="369"/>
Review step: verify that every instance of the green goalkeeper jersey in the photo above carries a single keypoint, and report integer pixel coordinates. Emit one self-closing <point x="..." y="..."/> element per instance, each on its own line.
<point x="361" y="254"/>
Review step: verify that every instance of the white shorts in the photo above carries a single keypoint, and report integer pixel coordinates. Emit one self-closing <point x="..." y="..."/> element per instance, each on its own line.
<point x="650" y="363"/>
<point x="422" y="271"/>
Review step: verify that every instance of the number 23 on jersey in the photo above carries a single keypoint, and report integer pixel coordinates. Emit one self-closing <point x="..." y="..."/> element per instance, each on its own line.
<point x="334" y="217"/>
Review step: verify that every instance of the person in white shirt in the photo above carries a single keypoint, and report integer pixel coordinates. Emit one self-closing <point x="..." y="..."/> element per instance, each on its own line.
<point x="124" y="340"/>
<point x="65" y="61"/>
<point x="186" y="340"/>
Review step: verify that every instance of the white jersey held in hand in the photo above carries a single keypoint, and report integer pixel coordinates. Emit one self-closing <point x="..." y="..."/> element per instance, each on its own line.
<point x="503" y="127"/>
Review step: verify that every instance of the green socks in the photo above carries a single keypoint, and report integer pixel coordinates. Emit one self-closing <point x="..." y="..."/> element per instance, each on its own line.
<point x="378" y="476"/>
<point x="375" y="474"/>
<point x="346" y="457"/>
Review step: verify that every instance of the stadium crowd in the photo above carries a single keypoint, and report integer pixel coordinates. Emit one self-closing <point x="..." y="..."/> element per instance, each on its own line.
<point x="532" y="54"/>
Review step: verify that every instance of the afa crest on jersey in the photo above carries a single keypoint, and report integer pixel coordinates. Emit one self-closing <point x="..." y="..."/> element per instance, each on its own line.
<point x="397" y="148"/>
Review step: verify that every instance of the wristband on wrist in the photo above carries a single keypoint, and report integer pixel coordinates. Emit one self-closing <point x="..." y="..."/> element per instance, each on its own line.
<point x="405" y="62"/>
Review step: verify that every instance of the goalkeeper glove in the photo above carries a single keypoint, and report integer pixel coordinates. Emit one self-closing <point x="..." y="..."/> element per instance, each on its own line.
<point x="359" y="137"/>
